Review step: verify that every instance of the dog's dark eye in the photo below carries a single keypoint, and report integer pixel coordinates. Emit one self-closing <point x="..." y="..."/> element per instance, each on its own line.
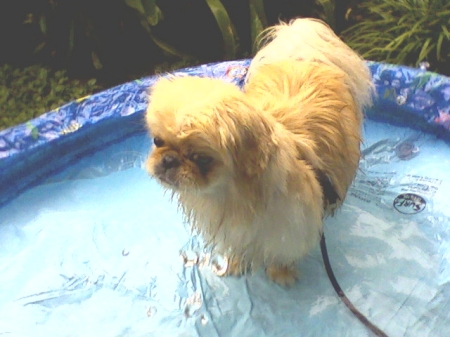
<point x="202" y="161"/>
<point x="158" y="142"/>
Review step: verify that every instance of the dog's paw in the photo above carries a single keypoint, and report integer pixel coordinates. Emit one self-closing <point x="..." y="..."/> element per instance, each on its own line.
<point x="285" y="276"/>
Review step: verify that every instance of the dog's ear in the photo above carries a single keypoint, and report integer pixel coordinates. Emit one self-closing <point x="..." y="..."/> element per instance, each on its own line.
<point x="248" y="136"/>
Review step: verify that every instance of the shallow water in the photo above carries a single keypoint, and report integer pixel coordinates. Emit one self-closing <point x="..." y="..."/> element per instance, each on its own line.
<point x="100" y="250"/>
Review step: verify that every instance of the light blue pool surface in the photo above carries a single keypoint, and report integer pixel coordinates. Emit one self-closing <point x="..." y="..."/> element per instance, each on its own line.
<point x="90" y="245"/>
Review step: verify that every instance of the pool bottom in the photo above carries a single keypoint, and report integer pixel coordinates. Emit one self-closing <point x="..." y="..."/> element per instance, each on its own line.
<point x="99" y="250"/>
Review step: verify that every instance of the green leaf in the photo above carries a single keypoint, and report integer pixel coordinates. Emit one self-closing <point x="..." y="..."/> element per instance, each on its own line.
<point x="29" y="18"/>
<point x="425" y="50"/>
<point x="258" y="22"/>
<point x="39" y="47"/>
<point x="43" y="24"/>
<point x="259" y="12"/>
<point x="224" y="23"/>
<point x="153" y="13"/>
<point x="96" y="61"/>
<point x="256" y="27"/>
<point x="421" y="80"/>
<point x="328" y="11"/>
<point x="446" y="32"/>
<point x="439" y="47"/>
<point x="165" y="47"/>
<point x="34" y="133"/>
<point x="405" y="51"/>
<point x="136" y="4"/>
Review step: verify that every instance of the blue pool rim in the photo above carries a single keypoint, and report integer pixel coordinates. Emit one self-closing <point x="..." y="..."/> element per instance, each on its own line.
<point x="43" y="146"/>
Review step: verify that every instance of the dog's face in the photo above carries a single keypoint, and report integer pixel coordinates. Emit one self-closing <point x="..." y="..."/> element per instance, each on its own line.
<point x="183" y="161"/>
<point x="204" y="134"/>
<point x="183" y="156"/>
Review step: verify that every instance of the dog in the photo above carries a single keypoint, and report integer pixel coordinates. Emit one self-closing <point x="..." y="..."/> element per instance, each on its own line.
<point x="256" y="171"/>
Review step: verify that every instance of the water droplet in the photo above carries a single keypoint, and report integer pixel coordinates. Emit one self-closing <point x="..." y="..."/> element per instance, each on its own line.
<point x="204" y="260"/>
<point x="400" y="100"/>
<point x="151" y="311"/>
<point x="219" y="265"/>
<point x="193" y="303"/>
<point x="189" y="257"/>
<point x="424" y="65"/>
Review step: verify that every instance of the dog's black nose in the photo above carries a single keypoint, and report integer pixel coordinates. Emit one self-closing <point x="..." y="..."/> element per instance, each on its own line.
<point x="170" y="161"/>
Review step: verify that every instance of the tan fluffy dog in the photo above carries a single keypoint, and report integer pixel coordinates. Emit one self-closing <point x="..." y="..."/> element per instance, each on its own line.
<point x="248" y="167"/>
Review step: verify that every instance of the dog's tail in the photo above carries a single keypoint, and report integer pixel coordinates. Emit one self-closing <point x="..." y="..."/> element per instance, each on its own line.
<point x="313" y="40"/>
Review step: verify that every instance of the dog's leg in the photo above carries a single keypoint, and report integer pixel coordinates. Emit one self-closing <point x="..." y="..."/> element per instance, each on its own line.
<point x="236" y="267"/>
<point x="282" y="274"/>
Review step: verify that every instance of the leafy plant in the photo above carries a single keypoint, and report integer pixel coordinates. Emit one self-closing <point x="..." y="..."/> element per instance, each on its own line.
<point x="404" y="32"/>
<point x="257" y="22"/>
<point x="76" y="31"/>
<point x="149" y="16"/>
<point x="102" y="38"/>
<point x="327" y="12"/>
<point x="62" y="25"/>
<point x="28" y="92"/>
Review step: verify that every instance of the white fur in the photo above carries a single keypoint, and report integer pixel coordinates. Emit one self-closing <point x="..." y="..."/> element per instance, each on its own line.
<point x="312" y="40"/>
<point x="282" y="224"/>
<point x="300" y="112"/>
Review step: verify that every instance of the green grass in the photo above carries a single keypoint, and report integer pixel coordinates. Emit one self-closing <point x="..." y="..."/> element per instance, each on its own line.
<point x="404" y="32"/>
<point x="26" y="93"/>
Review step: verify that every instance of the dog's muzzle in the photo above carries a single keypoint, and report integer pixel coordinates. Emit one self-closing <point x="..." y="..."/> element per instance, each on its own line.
<point x="167" y="169"/>
<point x="170" y="161"/>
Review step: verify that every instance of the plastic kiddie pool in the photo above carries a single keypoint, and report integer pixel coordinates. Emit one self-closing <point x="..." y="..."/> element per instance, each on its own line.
<point x="91" y="246"/>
